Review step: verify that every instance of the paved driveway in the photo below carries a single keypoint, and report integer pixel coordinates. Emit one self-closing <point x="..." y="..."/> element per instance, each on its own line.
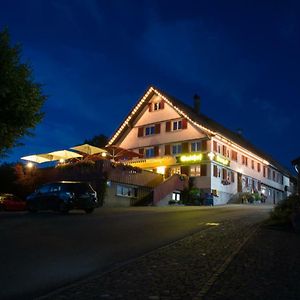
<point x="42" y="252"/>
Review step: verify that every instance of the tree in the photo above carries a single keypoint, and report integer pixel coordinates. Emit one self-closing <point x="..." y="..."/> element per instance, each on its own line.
<point x="98" y="141"/>
<point x="21" y="98"/>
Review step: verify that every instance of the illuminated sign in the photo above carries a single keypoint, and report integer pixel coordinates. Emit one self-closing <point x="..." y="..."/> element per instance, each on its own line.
<point x="222" y="160"/>
<point x="191" y="158"/>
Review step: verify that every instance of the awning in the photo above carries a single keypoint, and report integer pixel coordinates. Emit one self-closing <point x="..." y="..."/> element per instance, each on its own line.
<point x="89" y="149"/>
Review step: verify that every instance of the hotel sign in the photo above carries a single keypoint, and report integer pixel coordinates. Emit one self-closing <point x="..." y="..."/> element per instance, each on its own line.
<point x="222" y="160"/>
<point x="189" y="158"/>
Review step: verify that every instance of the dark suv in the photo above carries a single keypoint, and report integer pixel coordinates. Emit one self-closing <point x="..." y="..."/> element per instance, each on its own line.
<point x="63" y="196"/>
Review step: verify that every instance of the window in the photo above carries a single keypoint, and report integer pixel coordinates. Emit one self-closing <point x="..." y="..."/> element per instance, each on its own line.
<point x="244" y="160"/>
<point x="176" y="196"/>
<point x="175" y="170"/>
<point x="158" y="105"/>
<point x="195" y="171"/>
<point x="149" y="152"/>
<point x="149" y="130"/>
<point x="274" y="175"/>
<point x="269" y="173"/>
<point x="176" y="125"/>
<point x="195" y="146"/>
<point x="176" y="149"/>
<point x="215" y="146"/>
<point x="232" y="176"/>
<point x="234" y="155"/>
<point x="224" y="150"/>
<point x="258" y="167"/>
<point x="126" y="191"/>
<point x="224" y="174"/>
<point x="252" y="164"/>
<point x="264" y="171"/>
<point x="215" y="171"/>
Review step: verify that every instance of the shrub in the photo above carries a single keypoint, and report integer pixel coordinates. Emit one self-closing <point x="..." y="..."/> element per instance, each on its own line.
<point x="285" y="209"/>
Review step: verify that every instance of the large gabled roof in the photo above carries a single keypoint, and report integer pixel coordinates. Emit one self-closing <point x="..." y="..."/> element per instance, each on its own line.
<point x="209" y="126"/>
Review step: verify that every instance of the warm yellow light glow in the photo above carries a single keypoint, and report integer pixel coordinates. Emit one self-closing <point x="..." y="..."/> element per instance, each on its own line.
<point x="30" y="165"/>
<point x="161" y="170"/>
<point x="212" y="224"/>
<point x="211" y="155"/>
<point x="191" y="158"/>
<point x="61" y="160"/>
<point x="222" y="160"/>
<point x="103" y="154"/>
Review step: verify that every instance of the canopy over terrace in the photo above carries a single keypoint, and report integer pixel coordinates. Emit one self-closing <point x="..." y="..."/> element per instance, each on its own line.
<point x="89" y="149"/>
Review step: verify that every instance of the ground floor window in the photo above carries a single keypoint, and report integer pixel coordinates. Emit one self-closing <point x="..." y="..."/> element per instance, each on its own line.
<point x="126" y="191"/>
<point x="195" y="171"/>
<point x="176" y="196"/>
<point x="175" y="170"/>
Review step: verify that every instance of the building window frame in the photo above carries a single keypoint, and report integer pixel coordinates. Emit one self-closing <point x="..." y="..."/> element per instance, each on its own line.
<point x="149" y="152"/>
<point x="149" y="130"/>
<point x="176" y="149"/>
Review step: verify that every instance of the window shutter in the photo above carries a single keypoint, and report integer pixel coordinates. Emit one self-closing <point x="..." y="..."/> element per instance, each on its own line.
<point x="185" y="147"/>
<point x="150" y="106"/>
<point x="168" y="126"/>
<point x="203" y="171"/>
<point x="224" y="150"/>
<point x="232" y="176"/>
<point x="162" y="104"/>
<point x="167" y="149"/>
<point x="184" y="123"/>
<point x="141" y="151"/>
<point x="140" y="131"/>
<point x="204" y="145"/>
<point x="156" y="151"/>
<point x="157" y="128"/>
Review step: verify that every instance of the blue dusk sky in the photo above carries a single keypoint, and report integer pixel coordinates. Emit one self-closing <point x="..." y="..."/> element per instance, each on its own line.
<point x="96" y="58"/>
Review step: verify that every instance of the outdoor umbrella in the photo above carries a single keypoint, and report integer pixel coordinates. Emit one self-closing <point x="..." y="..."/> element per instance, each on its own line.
<point x="118" y="153"/>
<point x="89" y="149"/>
<point x="63" y="154"/>
<point x="37" y="158"/>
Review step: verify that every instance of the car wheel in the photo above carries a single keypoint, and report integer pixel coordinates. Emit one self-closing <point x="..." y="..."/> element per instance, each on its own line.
<point x="89" y="210"/>
<point x="63" y="209"/>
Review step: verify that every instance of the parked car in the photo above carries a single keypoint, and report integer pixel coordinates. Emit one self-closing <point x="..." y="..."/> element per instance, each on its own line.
<point x="63" y="196"/>
<point x="10" y="202"/>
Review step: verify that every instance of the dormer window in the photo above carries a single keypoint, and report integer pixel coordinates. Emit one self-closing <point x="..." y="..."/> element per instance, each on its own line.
<point x="176" y="125"/>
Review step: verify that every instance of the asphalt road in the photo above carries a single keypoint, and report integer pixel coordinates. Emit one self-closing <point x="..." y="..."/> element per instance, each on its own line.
<point x="45" y="251"/>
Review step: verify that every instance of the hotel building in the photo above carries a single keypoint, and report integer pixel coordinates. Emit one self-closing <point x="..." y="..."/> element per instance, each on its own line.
<point x="175" y="138"/>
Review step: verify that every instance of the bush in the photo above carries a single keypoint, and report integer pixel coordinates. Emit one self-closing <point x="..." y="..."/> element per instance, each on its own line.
<point x="286" y="209"/>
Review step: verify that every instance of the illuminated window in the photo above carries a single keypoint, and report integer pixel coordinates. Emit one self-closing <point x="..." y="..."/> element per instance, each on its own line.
<point x="175" y="170"/>
<point x="176" y="149"/>
<point x="176" y="125"/>
<point x="176" y="196"/>
<point x="126" y="191"/>
<point x="150" y="130"/>
<point x="195" y="146"/>
<point x="149" y="152"/>
<point x="195" y="171"/>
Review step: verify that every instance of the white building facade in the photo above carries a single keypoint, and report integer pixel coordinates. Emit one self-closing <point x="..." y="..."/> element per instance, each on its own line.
<point x="174" y="138"/>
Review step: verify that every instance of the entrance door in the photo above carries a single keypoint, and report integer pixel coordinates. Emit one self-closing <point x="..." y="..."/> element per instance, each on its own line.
<point x="239" y="183"/>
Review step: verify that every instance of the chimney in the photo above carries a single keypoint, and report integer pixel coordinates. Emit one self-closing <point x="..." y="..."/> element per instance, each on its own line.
<point x="197" y="102"/>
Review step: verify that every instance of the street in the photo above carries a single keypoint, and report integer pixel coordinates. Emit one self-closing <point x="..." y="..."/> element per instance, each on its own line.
<point x="45" y="251"/>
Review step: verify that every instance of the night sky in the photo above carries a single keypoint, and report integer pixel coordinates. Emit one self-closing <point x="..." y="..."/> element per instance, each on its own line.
<point x="96" y="58"/>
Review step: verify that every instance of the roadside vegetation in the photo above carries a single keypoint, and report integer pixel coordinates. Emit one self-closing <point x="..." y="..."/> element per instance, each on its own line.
<point x="287" y="212"/>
